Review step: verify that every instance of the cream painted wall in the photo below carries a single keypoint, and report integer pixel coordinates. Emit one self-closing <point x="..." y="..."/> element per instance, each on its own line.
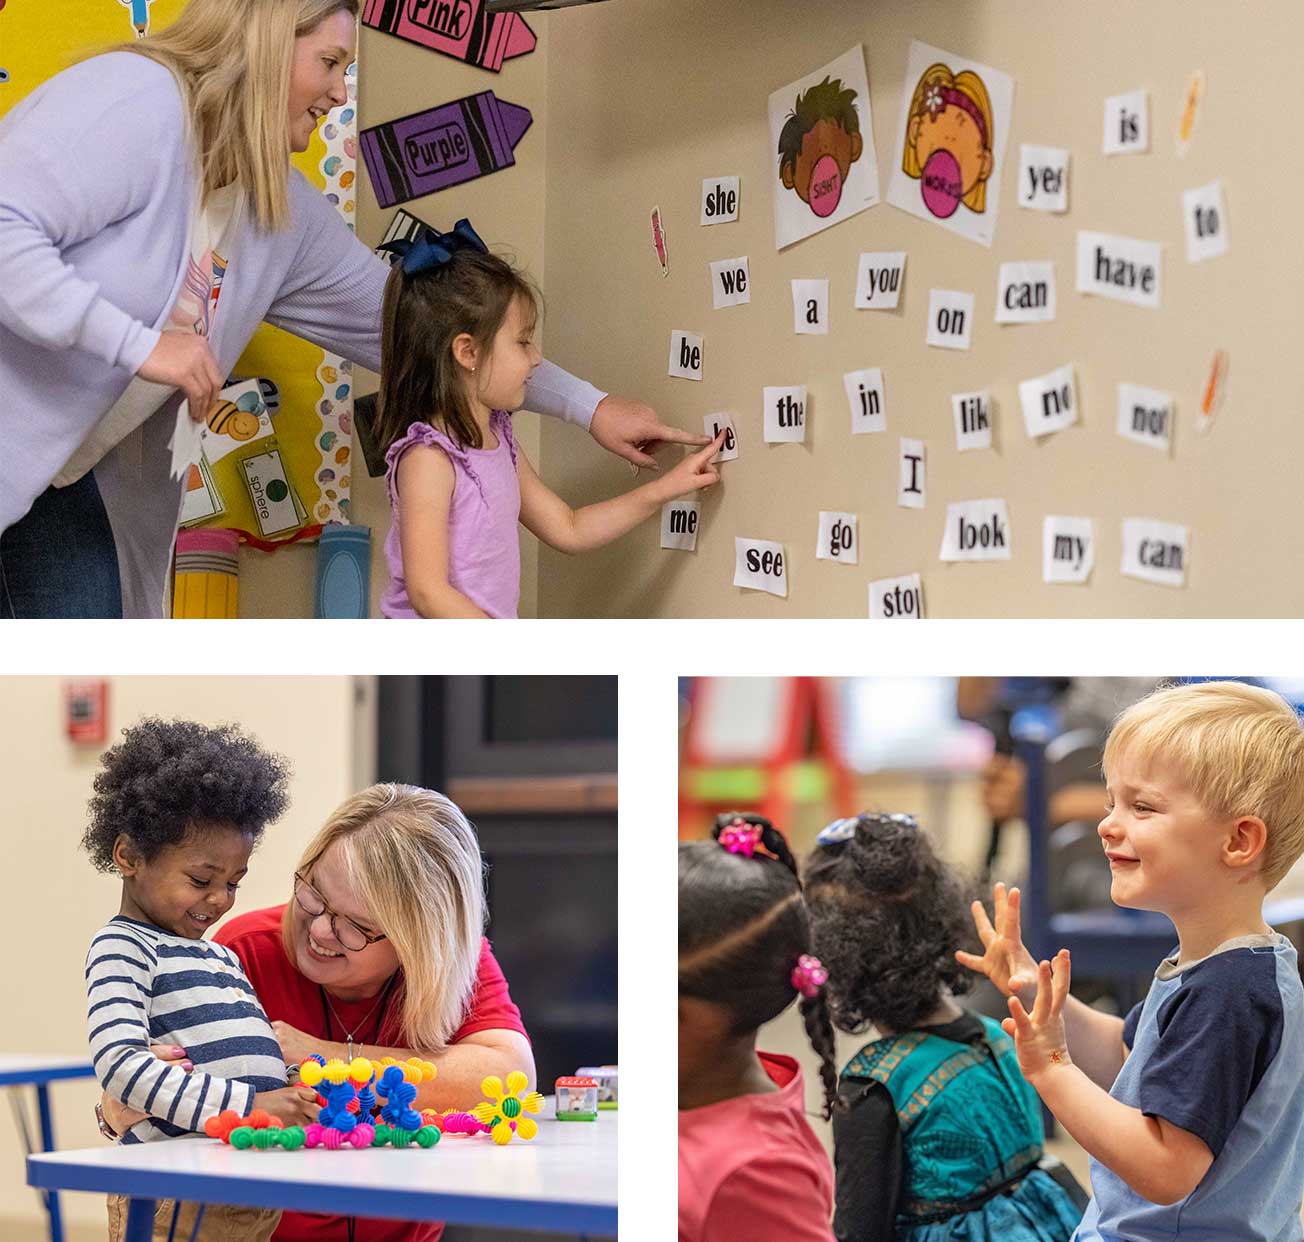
<point x="53" y="901"/>
<point x="394" y="79"/>
<point x="647" y="99"/>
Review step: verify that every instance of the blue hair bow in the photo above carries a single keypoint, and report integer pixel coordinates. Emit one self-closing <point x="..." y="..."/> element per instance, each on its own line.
<point x="844" y="829"/>
<point x="431" y="248"/>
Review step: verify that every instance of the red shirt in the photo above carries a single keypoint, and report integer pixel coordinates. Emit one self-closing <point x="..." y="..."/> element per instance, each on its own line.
<point x="287" y="996"/>
<point x="755" y="1159"/>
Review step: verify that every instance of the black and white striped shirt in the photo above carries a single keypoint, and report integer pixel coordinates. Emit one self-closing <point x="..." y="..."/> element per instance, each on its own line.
<point x="147" y="986"/>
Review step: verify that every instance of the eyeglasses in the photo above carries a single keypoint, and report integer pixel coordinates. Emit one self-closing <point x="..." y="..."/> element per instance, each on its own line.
<point x="349" y="935"/>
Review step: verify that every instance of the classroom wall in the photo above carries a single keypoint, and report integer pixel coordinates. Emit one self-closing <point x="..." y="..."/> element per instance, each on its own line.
<point x="54" y="901"/>
<point x="396" y="78"/>
<point x="647" y="99"/>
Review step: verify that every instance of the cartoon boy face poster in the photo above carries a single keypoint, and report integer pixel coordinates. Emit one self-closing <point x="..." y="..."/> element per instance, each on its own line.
<point x="822" y="145"/>
<point x="950" y="146"/>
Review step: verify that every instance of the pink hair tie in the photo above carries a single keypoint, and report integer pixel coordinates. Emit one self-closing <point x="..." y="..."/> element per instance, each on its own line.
<point x="809" y="975"/>
<point x="740" y="837"/>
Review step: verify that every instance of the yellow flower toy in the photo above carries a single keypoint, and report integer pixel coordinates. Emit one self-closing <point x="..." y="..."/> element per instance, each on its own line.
<point x="504" y="1111"/>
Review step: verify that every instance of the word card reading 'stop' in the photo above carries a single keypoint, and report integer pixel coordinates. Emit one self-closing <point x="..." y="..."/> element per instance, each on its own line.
<point x="443" y="146"/>
<point x="896" y="599"/>
<point x="462" y="29"/>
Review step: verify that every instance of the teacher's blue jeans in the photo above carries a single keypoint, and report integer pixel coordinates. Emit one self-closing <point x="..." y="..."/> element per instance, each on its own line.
<point x="60" y="559"/>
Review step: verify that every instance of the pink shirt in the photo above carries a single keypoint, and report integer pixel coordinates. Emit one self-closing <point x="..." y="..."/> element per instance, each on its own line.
<point x="752" y="1167"/>
<point x="484" y="550"/>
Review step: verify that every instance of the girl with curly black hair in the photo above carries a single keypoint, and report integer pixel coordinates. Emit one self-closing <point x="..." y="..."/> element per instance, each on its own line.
<point x="178" y="808"/>
<point x="939" y="1137"/>
<point x="749" y="1163"/>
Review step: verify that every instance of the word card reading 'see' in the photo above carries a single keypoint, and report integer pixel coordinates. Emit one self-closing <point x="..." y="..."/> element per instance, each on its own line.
<point x="838" y="538"/>
<point x="1043" y="178"/>
<point x="1155" y="551"/>
<point x="679" y="522"/>
<point x="685" y="355"/>
<point x="1145" y="415"/>
<point x="1025" y="293"/>
<point x="950" y="318"/>
<point x="1049" y="402"/>
<point x="879" y="277"/>
<point x="785" y="414"/>
<point x="865" y="397"/>
<point x="896" y="599"/>
<point x="760" y="566"/>
<point x="713" y="425"/>
<point x="973" y="420"/>
<point x="1068" y="549"/>
<point x="1123" y="268"/>
<point x="910" y="477"/>
<point x="810" y="307"/>
<point x="719" y="200"/>
<point x="730" y="283"/>
<point x="976" y="530"/>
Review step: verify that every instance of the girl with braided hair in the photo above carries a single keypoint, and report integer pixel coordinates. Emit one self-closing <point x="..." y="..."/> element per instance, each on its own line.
<point x="746" y="1152"/>
<point x="938" y="1137"/>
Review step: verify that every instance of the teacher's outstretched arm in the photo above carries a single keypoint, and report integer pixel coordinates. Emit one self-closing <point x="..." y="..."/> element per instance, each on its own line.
<point x="332" y="296"/>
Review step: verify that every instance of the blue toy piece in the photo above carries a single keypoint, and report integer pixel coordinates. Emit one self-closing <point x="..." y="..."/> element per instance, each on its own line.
<point x="399" y="1096"/>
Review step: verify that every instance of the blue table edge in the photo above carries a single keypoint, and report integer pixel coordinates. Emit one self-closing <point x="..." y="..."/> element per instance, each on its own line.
<point x="297" y="1196"/>
<point x="35" y="1077"/>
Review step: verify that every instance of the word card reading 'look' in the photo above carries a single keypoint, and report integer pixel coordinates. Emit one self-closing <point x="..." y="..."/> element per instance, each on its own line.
<point x="976" y="530"/>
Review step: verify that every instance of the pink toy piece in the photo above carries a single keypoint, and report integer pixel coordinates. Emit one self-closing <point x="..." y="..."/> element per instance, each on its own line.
<point x="312" y="1134"/>
<point x="332" y="1140"/>
<point x="360" y="1137"/>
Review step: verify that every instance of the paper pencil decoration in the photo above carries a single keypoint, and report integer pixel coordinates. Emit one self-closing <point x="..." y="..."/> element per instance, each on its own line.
<point x="455" y="142"/>
<point x="462" y="29"/>
<point x="1214" y="391"/>
<point x="659" y="241"/>
<point x="344" y="572"/>
<point x="207" y="576"/>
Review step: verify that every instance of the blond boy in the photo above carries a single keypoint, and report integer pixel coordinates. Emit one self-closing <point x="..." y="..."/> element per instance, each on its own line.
<point x="1191" y="1108"/>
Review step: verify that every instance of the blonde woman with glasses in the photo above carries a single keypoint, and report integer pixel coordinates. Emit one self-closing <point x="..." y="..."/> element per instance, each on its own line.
<point x="150" y="220"/>
<point x="380" y="951"/>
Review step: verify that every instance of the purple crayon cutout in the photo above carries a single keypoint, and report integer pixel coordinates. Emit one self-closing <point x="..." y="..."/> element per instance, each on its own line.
<point x="462" y="29"/>
<point x="432" y="150"/>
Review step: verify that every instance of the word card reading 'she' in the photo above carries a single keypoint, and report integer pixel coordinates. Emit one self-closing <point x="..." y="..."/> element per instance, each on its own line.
<point x="713" y="425"/>
<point x="730" y="283"/>
<point x="1043" y="178"/>
<point x="976" y="530"/>
<point x="838" y="538"/>
<point x="1155" y="551"/>
<point x="785" y="414"/>
<point x="685" y="355"/>
<point x="719" y="200"/>
<point x="679" y="520"/>
<point x="1068" y="549"/>
<point x="910" y="478"/>
<point x="950" y="318"/>
<point x="1123" y="268"/>
<point x="1127" y="124"/>
<point x="1049" y="402"/>
<point x="879" y="278"/>
<point x="810" y="307"/>
<point x="1206" y="222"/>
<point x="1145" y="415"/>
<point x="973" y="420"/>
<point x="896" y="599"/>
<point x="760" y="566"/>
<point x="865" y="397"/>
<point x="1025" y="293"/>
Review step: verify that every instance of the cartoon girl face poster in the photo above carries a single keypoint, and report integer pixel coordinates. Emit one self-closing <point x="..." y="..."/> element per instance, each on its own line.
<point x="951" y="142"/>
<point x="822" y="148"/>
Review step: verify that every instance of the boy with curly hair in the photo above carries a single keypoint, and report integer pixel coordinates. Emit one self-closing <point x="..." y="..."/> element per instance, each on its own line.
<point x="1191" y="1107"/>
<point x="177" y="810"/>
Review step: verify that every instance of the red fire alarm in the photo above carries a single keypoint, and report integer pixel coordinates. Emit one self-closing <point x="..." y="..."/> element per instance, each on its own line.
<point x="87" y="712"/>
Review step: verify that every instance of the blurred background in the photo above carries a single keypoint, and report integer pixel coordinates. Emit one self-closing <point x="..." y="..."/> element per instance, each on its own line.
<point x="531" y="760"/>
<point x="1004" y="775"/>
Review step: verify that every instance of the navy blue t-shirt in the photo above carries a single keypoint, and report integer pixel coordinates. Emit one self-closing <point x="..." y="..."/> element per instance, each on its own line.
<point x="1218" y="1032"/>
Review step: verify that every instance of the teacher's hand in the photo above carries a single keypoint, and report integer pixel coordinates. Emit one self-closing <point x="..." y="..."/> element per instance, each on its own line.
<point x="633" y="431"/>
<point x="120" y="1116"/>
<point x="184" y="360"/>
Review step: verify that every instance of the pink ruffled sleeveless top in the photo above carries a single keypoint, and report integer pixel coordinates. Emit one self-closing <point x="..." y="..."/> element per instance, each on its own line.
<point x="484" y="551"/>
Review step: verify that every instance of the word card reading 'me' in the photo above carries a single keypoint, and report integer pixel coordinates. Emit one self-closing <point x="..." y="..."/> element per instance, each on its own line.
<point x="1155" y="551"/>
<point x="838" y="539"/>
<point x="760" y="565"/>
<point x="976" y="530"/>
<point x="896" y="599"/>
<point x="1068" y="549"/>
<point x="679" y="522"/>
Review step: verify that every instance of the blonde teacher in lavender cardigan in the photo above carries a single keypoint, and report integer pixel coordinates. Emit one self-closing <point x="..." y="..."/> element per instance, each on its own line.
<point x="120" y="180"/>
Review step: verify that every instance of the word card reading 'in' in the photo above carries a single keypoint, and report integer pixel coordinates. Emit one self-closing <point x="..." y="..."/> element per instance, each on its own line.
<point x="760" y="565"/>
<point x="865" y="397"/>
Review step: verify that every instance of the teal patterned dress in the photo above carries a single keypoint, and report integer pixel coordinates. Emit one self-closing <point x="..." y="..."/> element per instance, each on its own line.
<point x="941" y="1142"/>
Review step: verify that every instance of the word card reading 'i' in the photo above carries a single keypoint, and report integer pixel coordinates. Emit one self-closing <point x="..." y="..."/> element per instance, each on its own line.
<point x="1155" y="551"/>
<point x="837" y="538"/>
<point x="685" y="355"/>
<point x="719" y="200"/>
<point x="1145" y="415"/>
<point x="1123" y="268"/>
<point x="1068" y="549"/>
<point x="713" y="425"/>
<point x="879" y="278"/>
<point x="785" y="414"/>
<point x="760" y="565"/>
<point x="976" y="530"/>
<point x="730" y="283"/>
<point x="910" y="478"/>
<point x="679" y="521"/>
<point x="1049" y="402"/>
<point x="865" y="397"/>
<point x="1043" y="178"/>
<point x="896" y="599"/>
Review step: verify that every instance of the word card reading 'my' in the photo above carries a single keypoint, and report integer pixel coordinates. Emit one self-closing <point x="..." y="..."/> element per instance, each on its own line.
<point x="1068" y="549"/>
<point x="896" y="599"/>
<point x="760" y="565"/>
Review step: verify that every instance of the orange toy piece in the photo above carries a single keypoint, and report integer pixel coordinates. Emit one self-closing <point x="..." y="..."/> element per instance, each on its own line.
<point x="260" y="1119"/>
<point x="221" y="1125"/>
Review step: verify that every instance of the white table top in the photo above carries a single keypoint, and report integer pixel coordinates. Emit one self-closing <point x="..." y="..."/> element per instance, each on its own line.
<point x="563" y="1180"/>
<point x="22" y="1068"/>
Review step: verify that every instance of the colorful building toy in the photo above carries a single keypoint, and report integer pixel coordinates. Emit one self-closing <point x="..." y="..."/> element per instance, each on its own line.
<point x="577" y="1099"/>
<point x="504" y="1112"/>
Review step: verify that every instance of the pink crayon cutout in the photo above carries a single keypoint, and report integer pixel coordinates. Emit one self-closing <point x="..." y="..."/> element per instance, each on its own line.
<point x="462" y="29"/>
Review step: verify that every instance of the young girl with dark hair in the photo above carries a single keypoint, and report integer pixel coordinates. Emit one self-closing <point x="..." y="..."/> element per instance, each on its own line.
<point x="749" y="1163"/>
<point x="457" y="348"/>
<point x="939" y="1137"/>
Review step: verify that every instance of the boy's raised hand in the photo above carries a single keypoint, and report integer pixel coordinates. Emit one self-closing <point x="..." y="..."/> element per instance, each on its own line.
<point x="1005" y="960"/>
<point x="1039" y="1036"/>
<point x="693" y="473"/>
